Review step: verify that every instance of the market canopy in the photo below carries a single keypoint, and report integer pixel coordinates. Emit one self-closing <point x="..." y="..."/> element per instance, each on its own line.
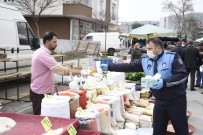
<point x="124" y="35"/>
<point x="149" y="30"/>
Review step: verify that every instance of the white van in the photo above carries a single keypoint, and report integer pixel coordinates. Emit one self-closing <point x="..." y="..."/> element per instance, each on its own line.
<point x="16" y="37"/>
<point x="15" y="32"/>
<point x="112" y="41"/>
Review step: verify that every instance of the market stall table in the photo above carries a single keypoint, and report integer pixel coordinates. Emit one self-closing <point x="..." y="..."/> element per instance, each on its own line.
<point x="31" y="124"/>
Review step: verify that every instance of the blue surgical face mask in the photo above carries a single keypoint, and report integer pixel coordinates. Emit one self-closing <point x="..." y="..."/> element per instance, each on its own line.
<point x="151" y="54"/>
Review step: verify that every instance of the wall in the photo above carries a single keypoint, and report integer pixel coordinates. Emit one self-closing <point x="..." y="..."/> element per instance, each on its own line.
<point x="59" y="25"/>
<point x="77" y="9"/>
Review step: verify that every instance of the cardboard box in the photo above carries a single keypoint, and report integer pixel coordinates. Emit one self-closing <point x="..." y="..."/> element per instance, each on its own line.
<point x="148" y="82"/>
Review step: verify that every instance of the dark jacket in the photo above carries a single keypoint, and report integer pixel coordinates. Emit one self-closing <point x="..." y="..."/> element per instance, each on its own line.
<point x="191" y="57"/>
<point x="169" y="94"/>
<point x="201" y="59"/>
<point x="136" y="54"/>
<point x="178" y="49"/>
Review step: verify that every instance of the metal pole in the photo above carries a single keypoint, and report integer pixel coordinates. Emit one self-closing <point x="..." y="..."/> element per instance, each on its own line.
<point x="78" y="63"/>
<point x="105" y="39"/>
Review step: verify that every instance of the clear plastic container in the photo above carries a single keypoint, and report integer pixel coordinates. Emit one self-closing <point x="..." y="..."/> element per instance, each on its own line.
<point x="89" y="120"/>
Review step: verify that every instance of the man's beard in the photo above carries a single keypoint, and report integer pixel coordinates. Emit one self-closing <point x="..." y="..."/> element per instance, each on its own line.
<point x="53" y="48"/>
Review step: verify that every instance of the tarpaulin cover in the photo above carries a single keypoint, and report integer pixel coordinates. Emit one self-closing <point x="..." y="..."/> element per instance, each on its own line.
<point x="27" y="124"/>
<point x="149" y="30"/>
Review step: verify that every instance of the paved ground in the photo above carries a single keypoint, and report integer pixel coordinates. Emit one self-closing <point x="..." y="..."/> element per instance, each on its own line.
<point x="195" y="105"/>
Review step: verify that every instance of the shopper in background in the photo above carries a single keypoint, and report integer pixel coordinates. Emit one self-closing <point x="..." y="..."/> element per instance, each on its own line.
<point x="178" y="49"/>
<point x="198" y="76"/>
<point x="43" y="68"/>
<point x="184" y="43"/>
<point x="133" y="42"/>
<point x="136" y="53"/>
<point x="191" y="58"/>
<point x="131" y="48"/>
<point x="169" y="90"/>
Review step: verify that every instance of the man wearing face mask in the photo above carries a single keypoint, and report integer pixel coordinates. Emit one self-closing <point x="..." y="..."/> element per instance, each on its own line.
<point x="169" y="91"/>
<point x="43" y="68"/>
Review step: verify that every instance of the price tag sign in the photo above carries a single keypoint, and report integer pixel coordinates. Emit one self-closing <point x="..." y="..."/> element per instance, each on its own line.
<point x="107" y="89"/>
<point x="71" y="130"/>
<point x="94" y="98"/>
<point x="89" y="103"/>
<point x="46" y="123"/>
<point x="80" y="110"/>
<point x="47" y="97"/>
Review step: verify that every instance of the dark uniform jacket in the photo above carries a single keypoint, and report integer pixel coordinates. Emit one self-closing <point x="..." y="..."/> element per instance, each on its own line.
<point x="174" y="88"/>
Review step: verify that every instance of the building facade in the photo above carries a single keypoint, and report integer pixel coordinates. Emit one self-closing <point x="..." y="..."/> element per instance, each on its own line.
<point x="170" y="22"/>
<point x="73" y="19"/>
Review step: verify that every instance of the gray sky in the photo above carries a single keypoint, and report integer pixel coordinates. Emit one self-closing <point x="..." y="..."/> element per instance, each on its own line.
<point x="141" y="10"/>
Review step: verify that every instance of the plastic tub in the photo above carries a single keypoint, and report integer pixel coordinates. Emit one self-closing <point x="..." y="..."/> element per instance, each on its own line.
<point x="114" y="103"/>
<point x="106" y="61"/>
<point x="170" y="130"/>
<point x="89" y="120"/>
<point x="51" y="107"/>
<point x="105" y="120"/>
<point x="74" y="101"/>
<point x="82" y="98"/>
<point x="118" y="77"/>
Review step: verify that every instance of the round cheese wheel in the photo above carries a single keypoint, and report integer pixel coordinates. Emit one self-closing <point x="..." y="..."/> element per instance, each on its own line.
<point x="6" y="124"/>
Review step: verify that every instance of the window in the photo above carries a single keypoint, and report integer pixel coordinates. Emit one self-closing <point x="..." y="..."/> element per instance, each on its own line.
<point x="113" y="11"/>
<point x="75" y="29"/>
<point x="25" y="34"/>
<point x="89" y="38"/>
<point x="8" y="0"/>
<point x="102" y="7"/>
<point x="85" y="28"/>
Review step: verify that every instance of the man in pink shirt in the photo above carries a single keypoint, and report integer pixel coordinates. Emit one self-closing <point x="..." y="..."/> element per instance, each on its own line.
<point x="43" y="68"/>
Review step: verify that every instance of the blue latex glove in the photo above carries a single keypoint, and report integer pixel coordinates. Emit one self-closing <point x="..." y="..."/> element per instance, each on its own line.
<point x="158" y="85"/>
<point x="104" y="67"/>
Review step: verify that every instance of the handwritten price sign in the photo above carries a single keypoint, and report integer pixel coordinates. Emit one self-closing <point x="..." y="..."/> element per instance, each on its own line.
<point x="46" y="123"/>
<point x="71" y="130"/>
<point x="80" y="110"/>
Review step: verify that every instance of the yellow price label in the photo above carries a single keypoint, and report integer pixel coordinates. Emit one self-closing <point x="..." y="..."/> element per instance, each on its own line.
<point x="80" y="110"/>
<point x="107" y="90"/>
<point x="89" y="103"/>
<point x="71" y="130"/>
<point x="46" y="123"/>
<point x="47" y="97"/>
<point x="94" y="98"/>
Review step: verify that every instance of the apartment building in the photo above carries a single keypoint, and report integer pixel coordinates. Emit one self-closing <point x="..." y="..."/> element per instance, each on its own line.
<point x="169" y="22"/>
<point x="73" y="19"/>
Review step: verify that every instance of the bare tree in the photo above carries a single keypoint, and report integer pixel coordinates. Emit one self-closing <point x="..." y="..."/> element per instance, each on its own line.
<point x="35" y="8"/>
<point x="192" y="26"/>
<point x="102" y="21"/>
<point x="136" y="25"/>
<point x="180" y="9"/>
